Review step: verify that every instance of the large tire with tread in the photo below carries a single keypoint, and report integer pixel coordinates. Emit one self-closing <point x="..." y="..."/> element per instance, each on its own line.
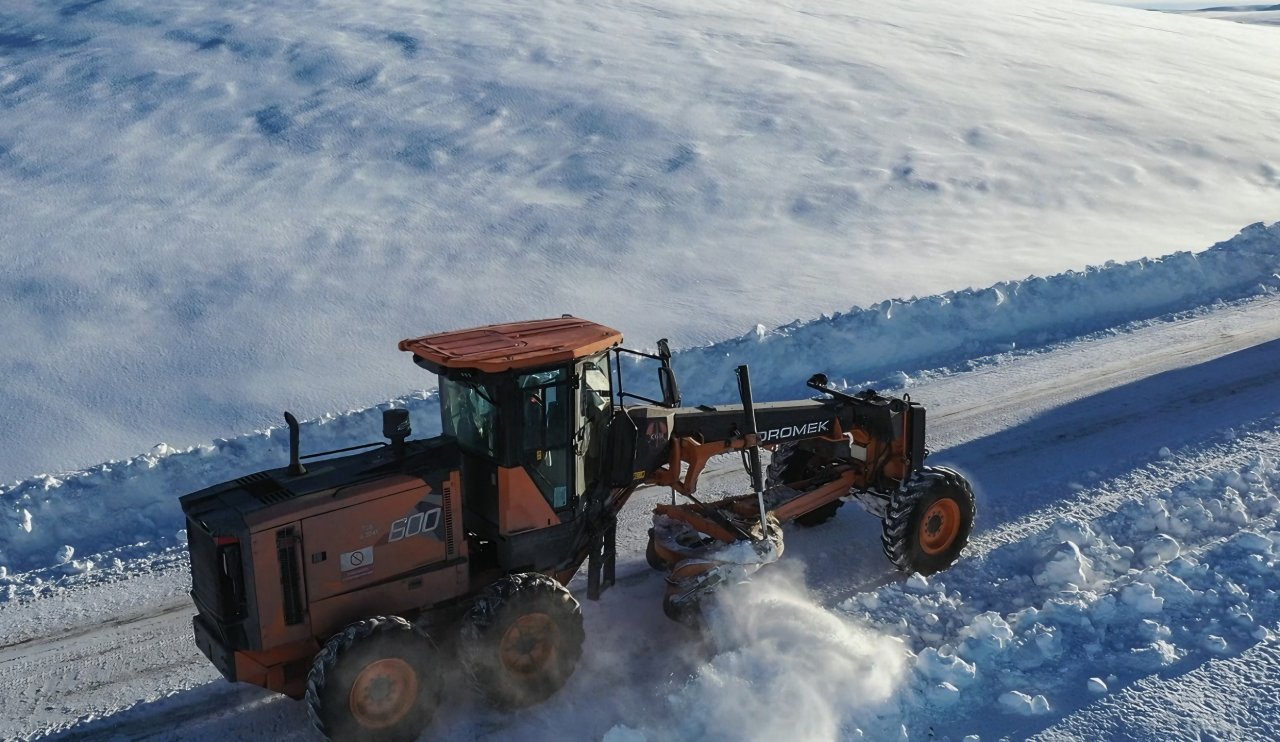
<point x="790" y="463"/>
<point x="377" y="679"/>
<point x="522" y="639"/>
<point x="928" y="523"/>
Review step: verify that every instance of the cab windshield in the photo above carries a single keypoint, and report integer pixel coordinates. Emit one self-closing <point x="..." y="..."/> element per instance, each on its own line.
<point x="470" y="415"/>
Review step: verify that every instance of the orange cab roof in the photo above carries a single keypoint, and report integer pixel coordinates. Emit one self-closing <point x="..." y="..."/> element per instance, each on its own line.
<point x="514" y="345"/>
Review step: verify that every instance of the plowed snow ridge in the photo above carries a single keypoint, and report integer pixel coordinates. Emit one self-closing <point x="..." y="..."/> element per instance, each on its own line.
<point x="127" y="507"/>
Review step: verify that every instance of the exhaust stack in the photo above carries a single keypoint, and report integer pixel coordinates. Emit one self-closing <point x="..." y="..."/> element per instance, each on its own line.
<point x="296" y="469"/>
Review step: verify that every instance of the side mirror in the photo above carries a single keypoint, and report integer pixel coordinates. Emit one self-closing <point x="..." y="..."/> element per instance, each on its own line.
<point x="670" y="389"/>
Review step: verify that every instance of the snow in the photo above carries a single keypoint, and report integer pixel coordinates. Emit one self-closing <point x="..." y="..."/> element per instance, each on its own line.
<point x="913" y="335"/>
<point x="1267" y="14"/>
<point x="774" y="649"/>
<point x="938" y="334"/>
<point x="213" y="213"/>
<point x="1015" y="634"/>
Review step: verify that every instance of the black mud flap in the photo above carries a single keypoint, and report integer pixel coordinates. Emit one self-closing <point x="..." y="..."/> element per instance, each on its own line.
<point x="221" y="657"/>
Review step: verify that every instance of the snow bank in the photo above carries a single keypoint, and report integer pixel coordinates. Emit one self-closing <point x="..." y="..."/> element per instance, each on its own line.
<point x="1036" y="625"/>
<point x="887" y="342"/>
<point x="46" y="521"/>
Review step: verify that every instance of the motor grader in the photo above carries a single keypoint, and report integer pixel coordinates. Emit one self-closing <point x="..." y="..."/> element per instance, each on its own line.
<point x="358" y="579"/>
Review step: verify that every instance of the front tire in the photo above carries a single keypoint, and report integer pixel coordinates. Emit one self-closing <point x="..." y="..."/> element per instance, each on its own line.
<point x="522" y="639"/>
<point x="375" y="680"/>
<point x="928" y="523"/>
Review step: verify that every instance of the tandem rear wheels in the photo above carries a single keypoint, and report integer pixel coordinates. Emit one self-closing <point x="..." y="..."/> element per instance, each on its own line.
<point x="522" y="639"/>
<point x="378" y="679"/>
<point x="381" y="679"/>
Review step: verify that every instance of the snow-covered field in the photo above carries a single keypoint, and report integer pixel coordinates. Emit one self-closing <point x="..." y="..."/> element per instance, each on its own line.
<point x="1267" y="14"/>
<point x="210" y="214"/>
<point x="214" y="211"/>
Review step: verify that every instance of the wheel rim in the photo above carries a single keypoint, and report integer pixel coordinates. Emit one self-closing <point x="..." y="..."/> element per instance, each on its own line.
<point x="939" y="526"/>
<point x="383" y="692"/>
<point x="529" y="644"/>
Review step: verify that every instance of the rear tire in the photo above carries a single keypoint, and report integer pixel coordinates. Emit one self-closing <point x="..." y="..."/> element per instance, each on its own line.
<point x="928" y="523"/>
<point x="790" y="463"/>
<point x="375" y="680"/>
<point x="522" y="639"/>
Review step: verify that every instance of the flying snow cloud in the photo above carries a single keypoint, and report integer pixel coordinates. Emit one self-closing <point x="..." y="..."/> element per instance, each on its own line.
<point x="782" y="667"/>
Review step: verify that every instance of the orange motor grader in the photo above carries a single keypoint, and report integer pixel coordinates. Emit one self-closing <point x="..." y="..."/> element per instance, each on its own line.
<point x="358" y="579"/>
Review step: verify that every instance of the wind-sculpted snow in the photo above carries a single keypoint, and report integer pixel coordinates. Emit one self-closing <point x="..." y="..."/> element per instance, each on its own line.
<point x="209" y="211"/>
<point x="885" y="343"/>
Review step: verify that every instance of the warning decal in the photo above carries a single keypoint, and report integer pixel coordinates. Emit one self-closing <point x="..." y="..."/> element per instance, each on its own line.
<point x="357" y="563"/>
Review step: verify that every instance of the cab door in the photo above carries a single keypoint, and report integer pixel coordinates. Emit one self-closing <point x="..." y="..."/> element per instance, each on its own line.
<point x="594" y="407"/>
<point x="547" y="415"/>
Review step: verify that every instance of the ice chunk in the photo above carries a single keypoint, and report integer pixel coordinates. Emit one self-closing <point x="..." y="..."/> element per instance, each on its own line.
<point x="1160" y="549"/>
<point x="1065" y="567"/>
<point x="944" y="667"/>
<point x="1096" y="686"/>
<point x="1254" y="542"/>
<point x="943" y="694"/>
<point x="1215" y="644"/>
<point x="1142" y="598"/>
<point x="64" y="554"/>
<point x="989" y="633"/>
<point x="1020" y="703"/>
<point x="1153" y="630"/>
<point x="1076" y="532"/>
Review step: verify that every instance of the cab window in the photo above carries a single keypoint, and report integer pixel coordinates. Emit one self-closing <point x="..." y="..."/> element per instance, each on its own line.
<point x="470" y="415"/>
<point x="546" y="409"/>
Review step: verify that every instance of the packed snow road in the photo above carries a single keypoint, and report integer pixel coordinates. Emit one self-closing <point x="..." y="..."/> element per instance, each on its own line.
<point x="1075" y="439"/>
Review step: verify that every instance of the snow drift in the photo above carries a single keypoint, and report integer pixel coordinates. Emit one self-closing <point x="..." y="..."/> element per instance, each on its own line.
<point x="869" y="345"/>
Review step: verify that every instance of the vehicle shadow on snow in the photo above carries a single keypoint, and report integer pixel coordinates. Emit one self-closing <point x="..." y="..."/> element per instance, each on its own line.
<point x="215" y="710"/>
<point x="1087" y="441"/>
